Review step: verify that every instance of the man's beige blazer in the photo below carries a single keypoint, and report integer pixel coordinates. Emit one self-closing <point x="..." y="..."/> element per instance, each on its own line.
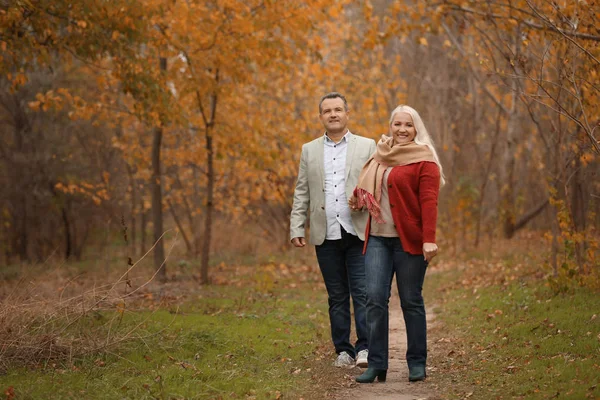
<point x="310" y="187"/>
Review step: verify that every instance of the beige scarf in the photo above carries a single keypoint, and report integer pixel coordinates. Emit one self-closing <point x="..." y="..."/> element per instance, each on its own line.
<point x="388" y="154"/>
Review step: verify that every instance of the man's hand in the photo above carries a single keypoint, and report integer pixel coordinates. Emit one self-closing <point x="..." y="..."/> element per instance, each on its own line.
<point x="429" y="251"/>
<point x="299" y="242"/>
<point x="353" y="203"/>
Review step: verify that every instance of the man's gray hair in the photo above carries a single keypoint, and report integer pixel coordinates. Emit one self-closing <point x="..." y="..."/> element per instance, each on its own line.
<point x="333" y="95"/>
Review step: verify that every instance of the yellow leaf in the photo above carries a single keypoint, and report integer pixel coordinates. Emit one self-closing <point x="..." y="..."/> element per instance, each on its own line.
<point x="423" y="41"/>
<point x="334" y="12"/>
<point x="586" y="158"/>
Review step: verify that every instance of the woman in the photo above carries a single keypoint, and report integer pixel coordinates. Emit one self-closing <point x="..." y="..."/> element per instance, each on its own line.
<point x="399" y="185"/>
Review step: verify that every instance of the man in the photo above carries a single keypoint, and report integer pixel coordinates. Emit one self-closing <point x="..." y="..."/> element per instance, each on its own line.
<point x="328" y="173"/>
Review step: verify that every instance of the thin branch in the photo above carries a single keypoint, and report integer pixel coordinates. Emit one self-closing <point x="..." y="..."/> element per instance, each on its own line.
<point x="529" y="24"/>
<point x="473" y="72"/>
<point x="178" y="222"/>
<point x="568" y="35"/>
<point x="586" y="128"/>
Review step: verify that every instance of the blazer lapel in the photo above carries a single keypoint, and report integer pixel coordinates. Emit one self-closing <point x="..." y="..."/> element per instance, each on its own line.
<point x="321" y="159"/>
<point x="350" y="153"/>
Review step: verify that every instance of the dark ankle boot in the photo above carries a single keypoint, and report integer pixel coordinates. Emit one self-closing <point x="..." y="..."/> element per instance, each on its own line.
<point x="370" y="374"/>
<point x="416" y="373"/>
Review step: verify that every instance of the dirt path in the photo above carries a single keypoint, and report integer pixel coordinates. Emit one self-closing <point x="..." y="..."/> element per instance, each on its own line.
<point x="396" y="386"/>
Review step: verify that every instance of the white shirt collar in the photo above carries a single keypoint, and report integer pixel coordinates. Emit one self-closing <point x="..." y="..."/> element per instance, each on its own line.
<point x="345" y="138"/>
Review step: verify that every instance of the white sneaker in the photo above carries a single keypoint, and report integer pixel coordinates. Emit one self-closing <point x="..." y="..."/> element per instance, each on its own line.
<point x="344" y="361"/>
<point x="362" y="359"/>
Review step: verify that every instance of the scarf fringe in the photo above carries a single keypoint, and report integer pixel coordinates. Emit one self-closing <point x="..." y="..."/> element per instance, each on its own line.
<point x="366" y="199"/>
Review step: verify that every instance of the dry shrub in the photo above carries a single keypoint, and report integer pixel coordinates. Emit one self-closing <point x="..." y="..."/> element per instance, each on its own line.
<point x="49" y="317"/>
<point x="58" y="312"/>
<point x="34" y="331"/>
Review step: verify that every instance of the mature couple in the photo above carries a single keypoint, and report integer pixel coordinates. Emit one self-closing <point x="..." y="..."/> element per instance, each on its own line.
<point x="373" y="212"/>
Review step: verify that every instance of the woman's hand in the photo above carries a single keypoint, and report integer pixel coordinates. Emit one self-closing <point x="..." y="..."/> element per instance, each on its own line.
<point x="353" y="203"/>
<point x="429" y="251"/>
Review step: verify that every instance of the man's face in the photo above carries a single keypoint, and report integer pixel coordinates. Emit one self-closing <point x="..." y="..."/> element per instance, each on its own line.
<point x="334" y="116"/>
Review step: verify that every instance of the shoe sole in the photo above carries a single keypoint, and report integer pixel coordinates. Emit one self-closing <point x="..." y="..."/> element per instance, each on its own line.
<point x="380" y="378"/>
<point x="363" y="364"/>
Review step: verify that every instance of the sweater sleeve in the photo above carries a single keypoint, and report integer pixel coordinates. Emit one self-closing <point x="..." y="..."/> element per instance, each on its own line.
<point x="429" y="188"/>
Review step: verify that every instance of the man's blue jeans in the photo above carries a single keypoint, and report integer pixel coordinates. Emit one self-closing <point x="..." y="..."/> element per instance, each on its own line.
<point x="384" y="258"/>
<point x="343" y="267"/>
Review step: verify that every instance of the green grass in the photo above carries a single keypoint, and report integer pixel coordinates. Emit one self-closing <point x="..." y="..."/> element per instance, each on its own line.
<point x="223" y="342"/>
<point x="519" y="340"/>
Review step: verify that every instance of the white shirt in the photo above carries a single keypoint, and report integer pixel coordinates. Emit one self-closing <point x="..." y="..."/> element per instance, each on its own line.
<point x="336" y="203"/>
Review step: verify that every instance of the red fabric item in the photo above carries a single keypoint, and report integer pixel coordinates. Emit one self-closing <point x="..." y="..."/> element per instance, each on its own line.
<point x="413" y="191"/>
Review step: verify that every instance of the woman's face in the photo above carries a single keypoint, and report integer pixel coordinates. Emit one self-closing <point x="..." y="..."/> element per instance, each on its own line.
<point x="402" y="128"/>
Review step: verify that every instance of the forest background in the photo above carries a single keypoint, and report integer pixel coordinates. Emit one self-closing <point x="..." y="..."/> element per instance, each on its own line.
<point x="166" y="135"/>
<point x="188" y="117"/>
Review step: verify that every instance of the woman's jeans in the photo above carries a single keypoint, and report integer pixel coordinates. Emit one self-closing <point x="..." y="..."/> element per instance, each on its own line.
<point x="383" y="258"/>
<point x="343" y="267"/>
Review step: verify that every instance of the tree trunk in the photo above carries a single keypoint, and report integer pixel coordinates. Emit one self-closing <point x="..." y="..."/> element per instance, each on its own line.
<point x="209" y="122"/>
<point x="486" y="179"/>
<point x="7" y="249"/>
<point x="5" y="242"/>
<point x="196" y="220"/>
<point x="143" y="228"/>
<point x="23" y="235"/>
<point x="160" y="264"/>
<point x="68" y="247"/>
<point x="578" y="211"/>
<point x="132" y="219"/>
<point x="209" y="210"/>
<point x="157" y="217"/>
<point x="554" y="254"/>
<point x="508" y="189"/>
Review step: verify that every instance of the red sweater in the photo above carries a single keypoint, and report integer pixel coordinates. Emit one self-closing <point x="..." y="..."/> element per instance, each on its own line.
<point x="413" y="191"/>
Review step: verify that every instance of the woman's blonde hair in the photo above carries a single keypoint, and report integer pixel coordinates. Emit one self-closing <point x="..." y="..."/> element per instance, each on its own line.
<point x="422" y="137"/>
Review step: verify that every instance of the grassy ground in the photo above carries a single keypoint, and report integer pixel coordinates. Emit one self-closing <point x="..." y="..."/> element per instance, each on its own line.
<point x="262" y="333"/>
<point x="508" y="336"/>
